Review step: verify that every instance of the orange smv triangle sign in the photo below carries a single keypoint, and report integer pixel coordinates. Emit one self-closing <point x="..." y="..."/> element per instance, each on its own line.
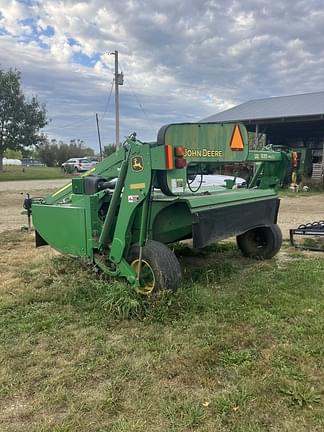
<point x="237" y="140"/>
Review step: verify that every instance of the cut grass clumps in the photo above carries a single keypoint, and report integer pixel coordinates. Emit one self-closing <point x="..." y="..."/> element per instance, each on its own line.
<point x="121" y="301"/>
<point x="67" y="281"/>
<point x="237" y="348"/>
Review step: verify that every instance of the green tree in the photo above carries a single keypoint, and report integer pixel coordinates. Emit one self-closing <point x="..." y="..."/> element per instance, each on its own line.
<point x="54" y="153"/>
<point x="12" y="154"/>
<point x="30" y="152"/>
<point x="109" y="149"/>
<point x="47" y="153"/>
<point x="77" y="148"/>
<point x="20" y="119"/>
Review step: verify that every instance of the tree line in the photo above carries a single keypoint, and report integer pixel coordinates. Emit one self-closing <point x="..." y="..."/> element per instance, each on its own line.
<point x="54" y="153"/>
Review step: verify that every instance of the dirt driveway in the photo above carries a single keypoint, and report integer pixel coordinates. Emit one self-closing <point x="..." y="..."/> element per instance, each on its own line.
<point x="300" y="209"/>
<point x="12" y="194"/>
<point x="293" y="210"/>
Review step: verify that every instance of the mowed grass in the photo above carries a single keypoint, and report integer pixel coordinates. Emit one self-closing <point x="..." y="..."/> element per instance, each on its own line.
<point x="238" y="348"/>
<point x="31" y="173"/>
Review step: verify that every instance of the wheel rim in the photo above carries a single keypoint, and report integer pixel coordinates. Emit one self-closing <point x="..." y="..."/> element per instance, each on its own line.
<point x="147" y="278"/>
<point x="260" y="240"/>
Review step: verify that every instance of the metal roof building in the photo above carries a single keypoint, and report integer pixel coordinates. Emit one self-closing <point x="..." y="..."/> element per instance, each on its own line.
<point x="286" y="120"/>
<point x="308" y="106"/>
<point x="295" y="121"/>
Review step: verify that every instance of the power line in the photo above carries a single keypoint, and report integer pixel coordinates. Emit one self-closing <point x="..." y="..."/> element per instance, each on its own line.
<point x="139" y="103"/>
<point x="108" y="100"/>
<point x="103" y="114"/>
<point x="88" y="118"/>
<point x="71" y="124"/>
<point x="143" y="110"/>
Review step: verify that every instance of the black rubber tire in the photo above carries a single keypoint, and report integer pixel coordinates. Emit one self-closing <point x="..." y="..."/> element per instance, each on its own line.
<point x="260" y="243"/>
<point x="165" y="266"/>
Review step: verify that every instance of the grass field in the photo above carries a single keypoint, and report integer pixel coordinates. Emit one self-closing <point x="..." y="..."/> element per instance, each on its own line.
<point x="31" y="173"/>
<point x="238" y="348"/>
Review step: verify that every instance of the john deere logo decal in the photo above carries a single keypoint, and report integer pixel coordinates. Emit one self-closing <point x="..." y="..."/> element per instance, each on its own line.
<point x="137" y="163"/>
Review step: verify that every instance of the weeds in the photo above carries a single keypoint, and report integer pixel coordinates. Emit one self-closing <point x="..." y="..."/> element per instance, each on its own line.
<point x="122" y="302"/>
<point x="301" y="395"/>
<point x="183" y="415"/>
<point x="237" y="348"/>
<point x="231" y="402"/>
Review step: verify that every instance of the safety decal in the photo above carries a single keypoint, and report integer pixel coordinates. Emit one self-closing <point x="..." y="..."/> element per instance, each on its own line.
<point x="133" y="198"/>
<point x="237" y="143"/>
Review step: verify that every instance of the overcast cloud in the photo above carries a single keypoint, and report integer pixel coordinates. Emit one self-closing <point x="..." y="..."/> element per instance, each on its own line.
<point x="183" y="60"/>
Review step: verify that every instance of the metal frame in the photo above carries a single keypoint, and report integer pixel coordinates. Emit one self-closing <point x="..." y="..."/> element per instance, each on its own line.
<point x="310" y="229"/>
<point x="68" y="219"/>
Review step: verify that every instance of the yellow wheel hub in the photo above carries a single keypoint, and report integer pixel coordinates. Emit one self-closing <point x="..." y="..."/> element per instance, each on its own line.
<point x="147" y="278"/>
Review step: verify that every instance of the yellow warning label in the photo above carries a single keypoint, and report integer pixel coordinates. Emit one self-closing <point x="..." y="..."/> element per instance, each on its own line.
<point x="237" y="140"/>
<point x="137" y="186"/>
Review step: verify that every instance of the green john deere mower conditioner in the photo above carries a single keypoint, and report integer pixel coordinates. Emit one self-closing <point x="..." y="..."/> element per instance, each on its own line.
<point x="123" y="213"/>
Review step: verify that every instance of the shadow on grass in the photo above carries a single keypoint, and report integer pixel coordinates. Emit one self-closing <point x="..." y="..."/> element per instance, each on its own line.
<point x="68" y="282"/>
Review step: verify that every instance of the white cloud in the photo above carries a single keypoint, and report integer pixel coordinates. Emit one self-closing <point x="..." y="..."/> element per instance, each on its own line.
<point x="12" y="12"/>
<point x="244" y="21"/>
<point x="184" y="60"/>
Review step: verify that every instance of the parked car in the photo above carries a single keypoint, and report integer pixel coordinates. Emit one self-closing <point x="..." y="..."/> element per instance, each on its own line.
<point x="77" y="165"/>
<point x="93" y="159"/>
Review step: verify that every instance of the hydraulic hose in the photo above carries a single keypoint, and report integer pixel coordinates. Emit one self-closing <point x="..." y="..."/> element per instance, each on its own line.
<point x="201" y="180"/>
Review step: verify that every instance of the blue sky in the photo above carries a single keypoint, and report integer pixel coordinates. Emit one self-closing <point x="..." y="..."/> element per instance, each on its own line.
<point x="182" y="60"/>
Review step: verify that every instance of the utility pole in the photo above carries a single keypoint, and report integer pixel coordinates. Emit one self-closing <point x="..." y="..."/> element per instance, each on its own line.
<point x="99" y="137"/>
<point x="116" y="99"/>
<point x="119" y="80"/>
